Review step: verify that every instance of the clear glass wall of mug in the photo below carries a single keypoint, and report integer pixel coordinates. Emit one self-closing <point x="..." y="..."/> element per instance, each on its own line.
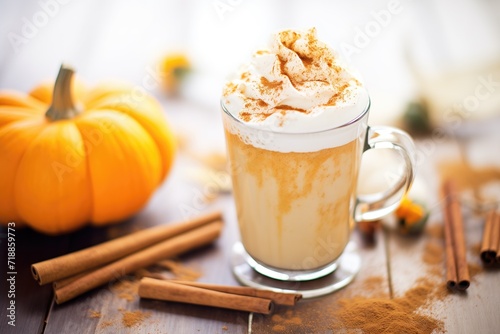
<point x="295" y="193"/>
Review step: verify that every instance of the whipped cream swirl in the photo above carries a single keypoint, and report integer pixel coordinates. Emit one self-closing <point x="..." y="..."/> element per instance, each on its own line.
<point x="296" y="86"/>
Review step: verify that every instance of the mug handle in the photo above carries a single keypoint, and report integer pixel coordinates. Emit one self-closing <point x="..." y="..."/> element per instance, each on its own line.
<point x="377" y="205"/>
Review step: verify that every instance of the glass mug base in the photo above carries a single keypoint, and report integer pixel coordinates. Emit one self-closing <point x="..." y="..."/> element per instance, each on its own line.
<point x="288" y="275"/>
<point x="308" y="283"/>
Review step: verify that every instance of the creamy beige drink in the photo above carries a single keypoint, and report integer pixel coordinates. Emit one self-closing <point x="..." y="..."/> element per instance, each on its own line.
<point x="294" y="209"/>
<point x="294" y="179"/>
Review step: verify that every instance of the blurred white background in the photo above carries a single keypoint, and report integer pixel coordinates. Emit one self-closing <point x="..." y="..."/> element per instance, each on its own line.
<point x="126" y="39"/>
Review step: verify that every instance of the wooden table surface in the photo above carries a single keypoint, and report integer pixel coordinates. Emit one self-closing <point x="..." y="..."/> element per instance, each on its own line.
<point x="106" y="39"/>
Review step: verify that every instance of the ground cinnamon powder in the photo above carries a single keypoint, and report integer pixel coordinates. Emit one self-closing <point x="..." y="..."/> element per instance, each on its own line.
<point x="126" y="289"/>
<point x="374" y="285"/>
<point x="180" y="271"/>
<point x="382" y="315"/>
<point x="433" y="256"/>
<point x="266" y="85"/>
<point x="403" y="314"/>
<point x="468" y="176"/>
<point x="288" y="319"/>
<point x="105" y="324"/>
<point x="372" y="315"/>
<point x="134" y="318"/>
<point x="376" y="313"/>
<point x="94" y="314"/>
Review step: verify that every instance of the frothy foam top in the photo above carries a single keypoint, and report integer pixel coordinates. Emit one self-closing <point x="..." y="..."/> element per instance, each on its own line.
<point x="297" y="86"/>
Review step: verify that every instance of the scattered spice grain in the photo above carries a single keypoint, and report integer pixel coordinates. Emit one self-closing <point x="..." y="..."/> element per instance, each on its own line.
<point x="94" y="314"/>
<point x="433" y="257"/>
<point x="126" y="289"/>
<point x="375" y="313"/>
<point x="435" y="231"/>
<point x="134" y="318"/>
<point x="382" y="315"/>
<point x="475" y="249"/>
<point x="105" y="324"/>
<point x="180" y="271"/>
<point x="147" y="273"/>
<point x="279" y="328"/>
<point x="433" y="253"/>
<point x="474" y="270"/>
<point x="375" y="286"/>
<point x="283" y="322"/>
<point x="470" y="177"/>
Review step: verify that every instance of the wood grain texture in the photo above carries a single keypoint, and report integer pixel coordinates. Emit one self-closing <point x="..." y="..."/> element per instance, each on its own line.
<point x="32" y="301"/>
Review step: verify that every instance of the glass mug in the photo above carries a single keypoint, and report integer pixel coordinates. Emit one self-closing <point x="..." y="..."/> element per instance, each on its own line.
<point x="295" y="193"/>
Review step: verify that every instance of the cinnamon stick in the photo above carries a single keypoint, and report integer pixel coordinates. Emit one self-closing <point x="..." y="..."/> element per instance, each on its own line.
<point x="280" y="298"/>
<point x="488" y="247"/>
<point x="65" y="281"/>
<point x="168" y="291"/>
<point x="498" y="245"/>
<point x="495" y="237"/>
<point x="451" y="267"/>
<point x="457" y="233"/>
<point x="146" y="257"/>
<point x="74" y="263"/>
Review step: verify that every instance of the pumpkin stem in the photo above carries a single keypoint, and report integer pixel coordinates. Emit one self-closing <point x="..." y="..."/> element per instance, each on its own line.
<point x="62" y="106"/>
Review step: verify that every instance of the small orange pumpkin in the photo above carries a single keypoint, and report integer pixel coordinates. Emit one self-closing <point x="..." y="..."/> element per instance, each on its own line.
<point x="65" y="164"/>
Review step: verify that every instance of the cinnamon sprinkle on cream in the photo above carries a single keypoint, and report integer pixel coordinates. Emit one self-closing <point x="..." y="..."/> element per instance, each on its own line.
<point x="245" y="75"/>
<point x="299" y="74"/>
<point x="266" y="84"/>
<point x="284" y="108"/>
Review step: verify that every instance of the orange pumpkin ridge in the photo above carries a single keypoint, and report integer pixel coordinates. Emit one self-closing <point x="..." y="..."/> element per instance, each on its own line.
<point x="67" y="165"/>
